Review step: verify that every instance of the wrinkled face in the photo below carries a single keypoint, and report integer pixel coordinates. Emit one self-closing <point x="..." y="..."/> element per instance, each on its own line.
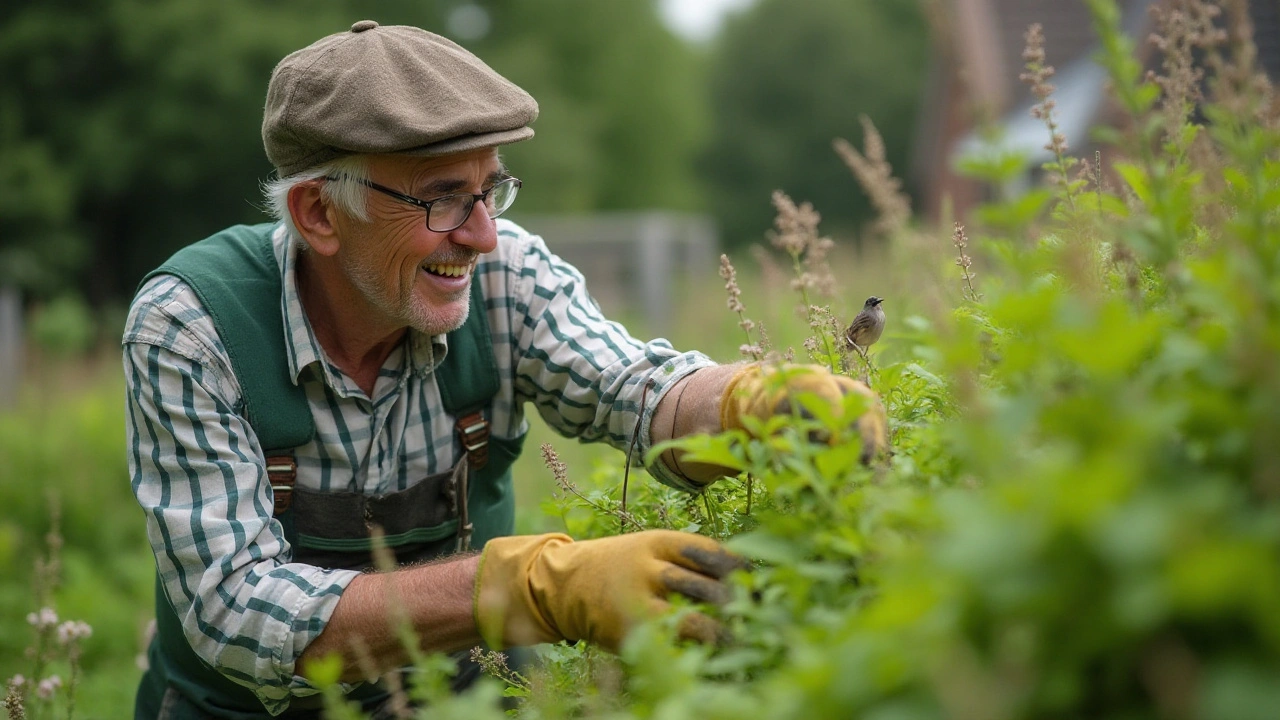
<point x="409" y="274"/>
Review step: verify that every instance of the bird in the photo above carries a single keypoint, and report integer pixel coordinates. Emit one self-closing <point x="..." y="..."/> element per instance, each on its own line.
<point x="865" y="329"/>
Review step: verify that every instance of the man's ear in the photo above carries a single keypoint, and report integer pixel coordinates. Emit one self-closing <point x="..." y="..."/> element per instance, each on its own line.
<point x="313" y="217"/>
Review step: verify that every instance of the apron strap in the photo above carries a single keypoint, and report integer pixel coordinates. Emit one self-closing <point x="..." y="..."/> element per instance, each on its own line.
<point x="461" y="482"/>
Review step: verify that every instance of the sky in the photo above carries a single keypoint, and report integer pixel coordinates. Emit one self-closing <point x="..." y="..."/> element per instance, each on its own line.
<point x="698" y="20"/>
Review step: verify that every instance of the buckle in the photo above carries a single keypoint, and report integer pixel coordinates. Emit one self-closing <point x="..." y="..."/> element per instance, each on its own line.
<point x="473" y="432"/>
<point x="282" y="473"/>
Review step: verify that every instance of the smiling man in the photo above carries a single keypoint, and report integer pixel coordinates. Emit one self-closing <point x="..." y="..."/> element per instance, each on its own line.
<point x="356" y="374"/>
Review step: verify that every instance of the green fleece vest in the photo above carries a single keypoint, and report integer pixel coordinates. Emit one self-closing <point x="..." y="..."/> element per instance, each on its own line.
<point x="237" y="278"/>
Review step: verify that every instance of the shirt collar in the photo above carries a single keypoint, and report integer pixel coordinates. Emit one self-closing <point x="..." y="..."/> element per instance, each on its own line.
<point x="425" y="351"/>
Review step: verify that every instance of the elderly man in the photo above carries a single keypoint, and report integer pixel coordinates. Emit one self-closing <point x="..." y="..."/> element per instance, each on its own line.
<point x="364" y="364"/>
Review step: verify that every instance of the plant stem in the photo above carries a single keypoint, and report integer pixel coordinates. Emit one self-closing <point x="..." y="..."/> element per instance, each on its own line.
<point x="804" y="297"/>
<point x="711" y="515"/>
<point x="71" y="683"/>
<point x="742" y="323"/>
<point x="1097" y="178"/>
<point x="625" y="517"/>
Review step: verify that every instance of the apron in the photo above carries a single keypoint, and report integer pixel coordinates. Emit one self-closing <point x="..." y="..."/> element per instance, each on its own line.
<point x="330" y="530"/>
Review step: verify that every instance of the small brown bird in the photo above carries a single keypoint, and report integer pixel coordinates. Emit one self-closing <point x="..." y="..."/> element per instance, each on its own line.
<point x="865" y="329"/>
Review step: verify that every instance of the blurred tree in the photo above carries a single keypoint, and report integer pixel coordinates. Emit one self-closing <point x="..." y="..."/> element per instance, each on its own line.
<point x="129" y="128"/>
<point x="789" y="77"/>
<point x="621" y="100"/>
<point x="624" y="111"/>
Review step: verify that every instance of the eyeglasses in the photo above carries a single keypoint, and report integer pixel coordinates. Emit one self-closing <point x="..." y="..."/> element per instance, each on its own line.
<point x="451" y="211"/>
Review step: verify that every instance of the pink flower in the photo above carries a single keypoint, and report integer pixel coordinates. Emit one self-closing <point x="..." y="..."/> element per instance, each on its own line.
<point x="46" y="618"/>
<point x="73" y="630"/>
<point x="48" y="687"/>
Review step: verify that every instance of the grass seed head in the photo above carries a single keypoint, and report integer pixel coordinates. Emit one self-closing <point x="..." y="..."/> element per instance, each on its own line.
<point x="1185" y="29"/>
<point x="12" y="703"/>
<point x="875" y="175"/>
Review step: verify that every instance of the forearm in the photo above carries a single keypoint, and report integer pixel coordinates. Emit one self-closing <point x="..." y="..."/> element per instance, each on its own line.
<point x="692" y="407"/>
<point x="436" y="599"/>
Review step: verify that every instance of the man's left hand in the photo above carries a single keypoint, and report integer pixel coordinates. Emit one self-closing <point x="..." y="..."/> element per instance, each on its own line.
<point x="760" y="391"/>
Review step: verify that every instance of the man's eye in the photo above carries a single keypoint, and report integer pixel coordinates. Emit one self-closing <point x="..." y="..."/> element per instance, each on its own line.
<point x="449" y="201"/>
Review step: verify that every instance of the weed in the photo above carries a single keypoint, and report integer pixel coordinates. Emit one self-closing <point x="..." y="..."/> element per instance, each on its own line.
<point x="54" y="644"/>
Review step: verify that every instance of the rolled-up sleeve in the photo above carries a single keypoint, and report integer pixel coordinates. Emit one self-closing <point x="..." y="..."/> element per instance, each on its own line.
<point x="587" y="376"/>
<point x="199" y="474"/>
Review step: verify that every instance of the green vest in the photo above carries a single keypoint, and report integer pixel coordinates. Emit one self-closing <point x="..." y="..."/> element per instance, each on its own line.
<point x="237" y="278"/>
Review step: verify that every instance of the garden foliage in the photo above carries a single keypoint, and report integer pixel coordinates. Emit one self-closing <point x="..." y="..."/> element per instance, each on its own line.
<point x="1081" y="514"/>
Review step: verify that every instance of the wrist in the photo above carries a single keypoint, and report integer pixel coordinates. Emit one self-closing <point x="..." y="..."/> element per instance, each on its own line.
<point x="691" y="406"/>
<point x="507" y="611"/>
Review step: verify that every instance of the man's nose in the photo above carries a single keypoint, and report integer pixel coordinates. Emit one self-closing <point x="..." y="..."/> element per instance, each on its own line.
<point x="479" y="232"/>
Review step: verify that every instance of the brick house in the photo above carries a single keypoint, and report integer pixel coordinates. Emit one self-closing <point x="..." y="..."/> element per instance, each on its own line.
<point x="977" y="58"/>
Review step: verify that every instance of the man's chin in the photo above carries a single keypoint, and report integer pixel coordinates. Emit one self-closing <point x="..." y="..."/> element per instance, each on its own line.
<point x="441" y="320"/>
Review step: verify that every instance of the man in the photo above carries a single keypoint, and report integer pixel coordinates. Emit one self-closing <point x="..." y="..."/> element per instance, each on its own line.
<point x="361" y="367"/>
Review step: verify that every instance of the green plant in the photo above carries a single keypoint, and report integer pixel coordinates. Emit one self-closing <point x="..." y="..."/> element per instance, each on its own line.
<point x="1081" y="516"/>
<point x="62" y="444"/>
<point x="63" y="327"/>
<point x="55" y="645"/>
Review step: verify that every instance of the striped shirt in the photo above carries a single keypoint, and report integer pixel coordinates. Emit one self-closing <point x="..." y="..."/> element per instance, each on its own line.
<point x="198" y="469"/>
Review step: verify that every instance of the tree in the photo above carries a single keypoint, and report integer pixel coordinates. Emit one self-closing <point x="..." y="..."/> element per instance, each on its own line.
<point x="622" y="108"/>
<point x="787" y="79"/>
<point x="131" y="128"/>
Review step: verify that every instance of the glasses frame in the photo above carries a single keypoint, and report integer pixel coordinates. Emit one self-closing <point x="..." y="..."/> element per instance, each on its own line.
<point x="426" y="204"/>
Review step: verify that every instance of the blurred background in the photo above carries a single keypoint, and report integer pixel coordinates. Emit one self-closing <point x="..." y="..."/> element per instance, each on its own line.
<point x="130" y="128"/>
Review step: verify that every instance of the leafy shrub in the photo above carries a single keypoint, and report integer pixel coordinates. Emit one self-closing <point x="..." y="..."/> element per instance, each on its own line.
<point x="1080" y="517"/>
<point x="63" y="327"/>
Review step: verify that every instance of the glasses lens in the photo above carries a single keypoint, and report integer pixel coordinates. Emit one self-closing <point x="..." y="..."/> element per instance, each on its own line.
<point x="448" y="213"/>
<point x="501" y="197"/>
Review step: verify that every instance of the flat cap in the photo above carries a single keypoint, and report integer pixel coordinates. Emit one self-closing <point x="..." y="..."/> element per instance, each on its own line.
<point x="387" y="89"/>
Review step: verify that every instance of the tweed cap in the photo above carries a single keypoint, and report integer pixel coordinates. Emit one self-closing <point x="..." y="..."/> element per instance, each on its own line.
<point x="387" y="89"/>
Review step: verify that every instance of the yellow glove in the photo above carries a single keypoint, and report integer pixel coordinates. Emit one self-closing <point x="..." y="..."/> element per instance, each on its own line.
<point x="546" y="588"/>
<point x="756" y="390"/>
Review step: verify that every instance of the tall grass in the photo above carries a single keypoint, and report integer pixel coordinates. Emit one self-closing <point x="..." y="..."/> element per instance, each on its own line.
<point x="62" y="450"/>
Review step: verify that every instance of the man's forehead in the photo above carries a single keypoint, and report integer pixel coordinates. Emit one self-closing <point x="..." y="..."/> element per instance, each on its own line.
<point x="462" y="165"/>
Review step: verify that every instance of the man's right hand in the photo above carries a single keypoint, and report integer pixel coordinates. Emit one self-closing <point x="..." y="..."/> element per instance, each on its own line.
<point x="547" y="588"/>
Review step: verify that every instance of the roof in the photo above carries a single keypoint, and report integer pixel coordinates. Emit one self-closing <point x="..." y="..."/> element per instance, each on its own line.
<point x="1070" y="44"/>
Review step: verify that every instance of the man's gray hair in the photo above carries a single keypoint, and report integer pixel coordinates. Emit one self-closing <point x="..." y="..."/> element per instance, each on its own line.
<point x="345" y="190"/>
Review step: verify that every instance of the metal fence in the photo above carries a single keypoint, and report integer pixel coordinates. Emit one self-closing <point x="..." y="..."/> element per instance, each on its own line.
<point x="633" y="262"/>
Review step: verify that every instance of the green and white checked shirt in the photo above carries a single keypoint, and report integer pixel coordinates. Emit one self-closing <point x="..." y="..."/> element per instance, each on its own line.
<point x="198" y="469"/>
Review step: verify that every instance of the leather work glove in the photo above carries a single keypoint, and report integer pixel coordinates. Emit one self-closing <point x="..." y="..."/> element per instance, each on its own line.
<point x="546" y="588"/>
<point x="758" y="391"/>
